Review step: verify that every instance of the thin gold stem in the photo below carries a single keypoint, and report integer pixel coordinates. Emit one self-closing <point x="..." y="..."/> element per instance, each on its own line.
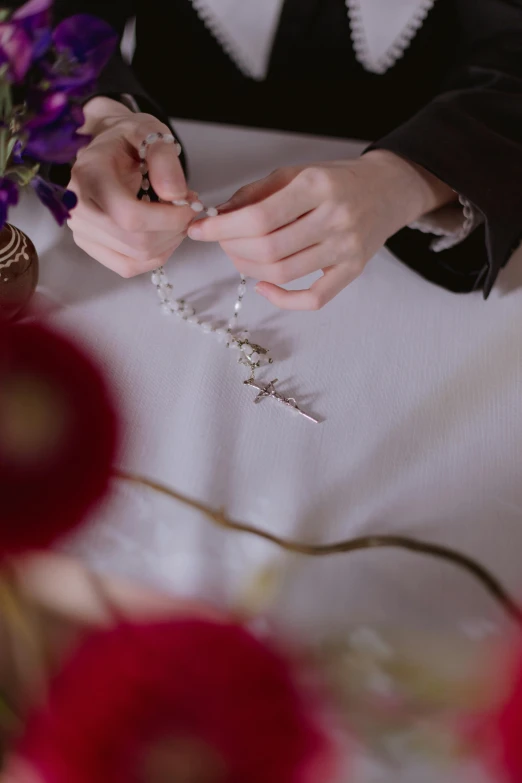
<point x="458" y="559"/>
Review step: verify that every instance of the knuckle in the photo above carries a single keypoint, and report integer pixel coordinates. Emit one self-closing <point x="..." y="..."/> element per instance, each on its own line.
<point x="341" y="218"/>
<point x="318" y="179"/>
<point x="269" y="251"/>
<point x="259" y="221"/>
<point x="315" y="300"/>
<point x="128" y="219"/>
<point x="354" y="248"/>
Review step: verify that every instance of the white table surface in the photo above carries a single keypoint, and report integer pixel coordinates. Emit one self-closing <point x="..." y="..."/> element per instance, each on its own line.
<point x="419" y="390"/>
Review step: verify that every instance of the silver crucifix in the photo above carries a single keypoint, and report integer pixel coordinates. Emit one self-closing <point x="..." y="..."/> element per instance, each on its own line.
<point x="270" y="392"/>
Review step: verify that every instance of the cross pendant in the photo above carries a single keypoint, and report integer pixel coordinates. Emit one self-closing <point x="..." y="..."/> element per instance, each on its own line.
<point x="270" y="391"/>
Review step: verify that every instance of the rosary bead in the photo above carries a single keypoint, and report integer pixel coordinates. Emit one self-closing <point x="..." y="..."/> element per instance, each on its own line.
<point x="145" y="185"/>
<point x="189" y="311"/>
<point x="166" y="309"/>
<point x="152" y="138"/>
<point x="168" y="138"/>
<point x="197" y="206"/>
<point x="212" y="212"/>
<point x="207" y="328"/>
<point x="156" y="278"/>
<point x="144" y="168"/>
<point x="146" y="198"/>
<point x="237" y="307"/>
<point x="241" y="289"/>
<point x="178" y="148"/>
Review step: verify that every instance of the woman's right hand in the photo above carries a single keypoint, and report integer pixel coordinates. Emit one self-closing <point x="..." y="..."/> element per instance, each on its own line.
<point x="110" y="224"/>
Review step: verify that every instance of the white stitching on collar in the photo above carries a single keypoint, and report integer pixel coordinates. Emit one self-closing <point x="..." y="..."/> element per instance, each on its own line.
<point x="376" y="52"/>
<point x="381" y="30"/>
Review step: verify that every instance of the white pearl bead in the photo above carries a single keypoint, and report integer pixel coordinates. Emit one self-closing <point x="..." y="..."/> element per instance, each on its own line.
<point x="144" y="169"/>
<point x="146" y="197"/>
<point x="238" y="306"/>
<point x="232" y="323"/>
<point x="178" y="148"/>
<point x="152" y="138"/>
<point x="145" y="185"/>
<point x="245" y="335"/>
<point x="176" y="306"/>
<point x="156" y="278"/>
<point x="212" y="212"/>
<point x="189" y="311"/>
<point x="241" y="289"/>
<point x="197" y="206"/>
<point x="247" y="350"/>
<point x="168" y="138"/>
<point x="166" y="309"/>
<point x="220" y="334"/>
<point x="143" y="152"/>
<point x="161" y="293"/>
<point x="207" y="328"/>
<point x="235" y="345"/>
<point x="254" y="357"/>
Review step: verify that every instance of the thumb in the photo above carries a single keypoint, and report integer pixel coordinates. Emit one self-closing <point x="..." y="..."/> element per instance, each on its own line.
<point x="255" y="192"/>
<point x="165" y="172"/>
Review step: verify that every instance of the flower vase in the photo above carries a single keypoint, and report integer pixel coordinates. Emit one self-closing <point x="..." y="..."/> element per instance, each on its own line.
<point x="18" y="271"/>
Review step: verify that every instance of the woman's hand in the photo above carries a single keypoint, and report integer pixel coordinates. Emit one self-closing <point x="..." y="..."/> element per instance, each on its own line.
<point x="109" y="223"/>
<point x="330" y="216"/>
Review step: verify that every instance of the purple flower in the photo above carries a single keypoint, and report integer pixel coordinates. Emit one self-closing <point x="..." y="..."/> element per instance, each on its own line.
<point x="83" y="45"/>
<point x="24" y="38"/>
<point x="15" y="52"/>
<point x="52" y="128"/>
<point x="8" y="198"/>
<point x="35" y="19"/>
<point x="59" y="201"/>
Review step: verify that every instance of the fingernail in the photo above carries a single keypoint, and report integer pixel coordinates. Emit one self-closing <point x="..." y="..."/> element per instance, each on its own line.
<point x="195" y="232"/>
<point x="223" y="207"/>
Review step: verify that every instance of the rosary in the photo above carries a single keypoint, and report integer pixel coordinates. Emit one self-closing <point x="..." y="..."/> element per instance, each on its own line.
<point x="252" y="356"/>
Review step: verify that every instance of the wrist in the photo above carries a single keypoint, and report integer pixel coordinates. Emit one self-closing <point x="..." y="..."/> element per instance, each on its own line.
<point x="102" y="113"/>
<point x="420" y="191"/>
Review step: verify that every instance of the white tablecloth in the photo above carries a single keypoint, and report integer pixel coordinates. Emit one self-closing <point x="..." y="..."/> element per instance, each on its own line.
<point x="419" y="390"/>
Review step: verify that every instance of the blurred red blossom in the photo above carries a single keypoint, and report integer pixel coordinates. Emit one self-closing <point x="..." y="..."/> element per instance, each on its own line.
<point x="58" y="435"/>
<point x="186" y="700"/>
<point x="510" y="730"/>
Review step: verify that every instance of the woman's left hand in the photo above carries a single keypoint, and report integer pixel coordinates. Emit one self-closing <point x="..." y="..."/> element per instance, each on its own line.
<point x="330" y="216"/>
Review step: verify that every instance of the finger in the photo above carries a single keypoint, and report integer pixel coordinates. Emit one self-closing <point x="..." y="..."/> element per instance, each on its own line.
<point x="334" y="279"/>
<point x="301" y="264"/>
<point x="165" y="172"/>
<point x="257" y="191"/>
<point x="279" y="245"/>
<point x="118" y="202"/>
<point x="256" y="220"/>
<point x="140" y="247"/>
<point x="117" y="262"/>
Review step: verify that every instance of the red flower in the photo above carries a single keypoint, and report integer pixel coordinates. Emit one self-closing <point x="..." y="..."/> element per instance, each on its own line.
<point x="184" y="700"/>
<point x="510" y="729"/>
<point x="57" y="436"/>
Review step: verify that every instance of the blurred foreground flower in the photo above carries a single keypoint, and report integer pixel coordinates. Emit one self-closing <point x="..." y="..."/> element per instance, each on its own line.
<point x="183" y="700"/>
<point x="510" y="730"/>
<point x="57" y="436"/>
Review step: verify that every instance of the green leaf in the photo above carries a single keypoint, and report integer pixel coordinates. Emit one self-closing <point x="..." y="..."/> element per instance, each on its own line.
<point x="5" y="13"/>
<point x="24" y="174"/>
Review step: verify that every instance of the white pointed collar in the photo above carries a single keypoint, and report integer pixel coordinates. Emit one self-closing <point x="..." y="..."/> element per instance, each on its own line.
<point x="381" y="30"/>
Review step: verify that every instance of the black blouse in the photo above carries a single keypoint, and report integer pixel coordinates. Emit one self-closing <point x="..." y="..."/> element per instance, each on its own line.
<point x="452" y="104"/>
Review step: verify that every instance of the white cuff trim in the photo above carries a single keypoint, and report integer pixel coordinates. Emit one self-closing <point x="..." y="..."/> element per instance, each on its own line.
<point x="452" y="224"/>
